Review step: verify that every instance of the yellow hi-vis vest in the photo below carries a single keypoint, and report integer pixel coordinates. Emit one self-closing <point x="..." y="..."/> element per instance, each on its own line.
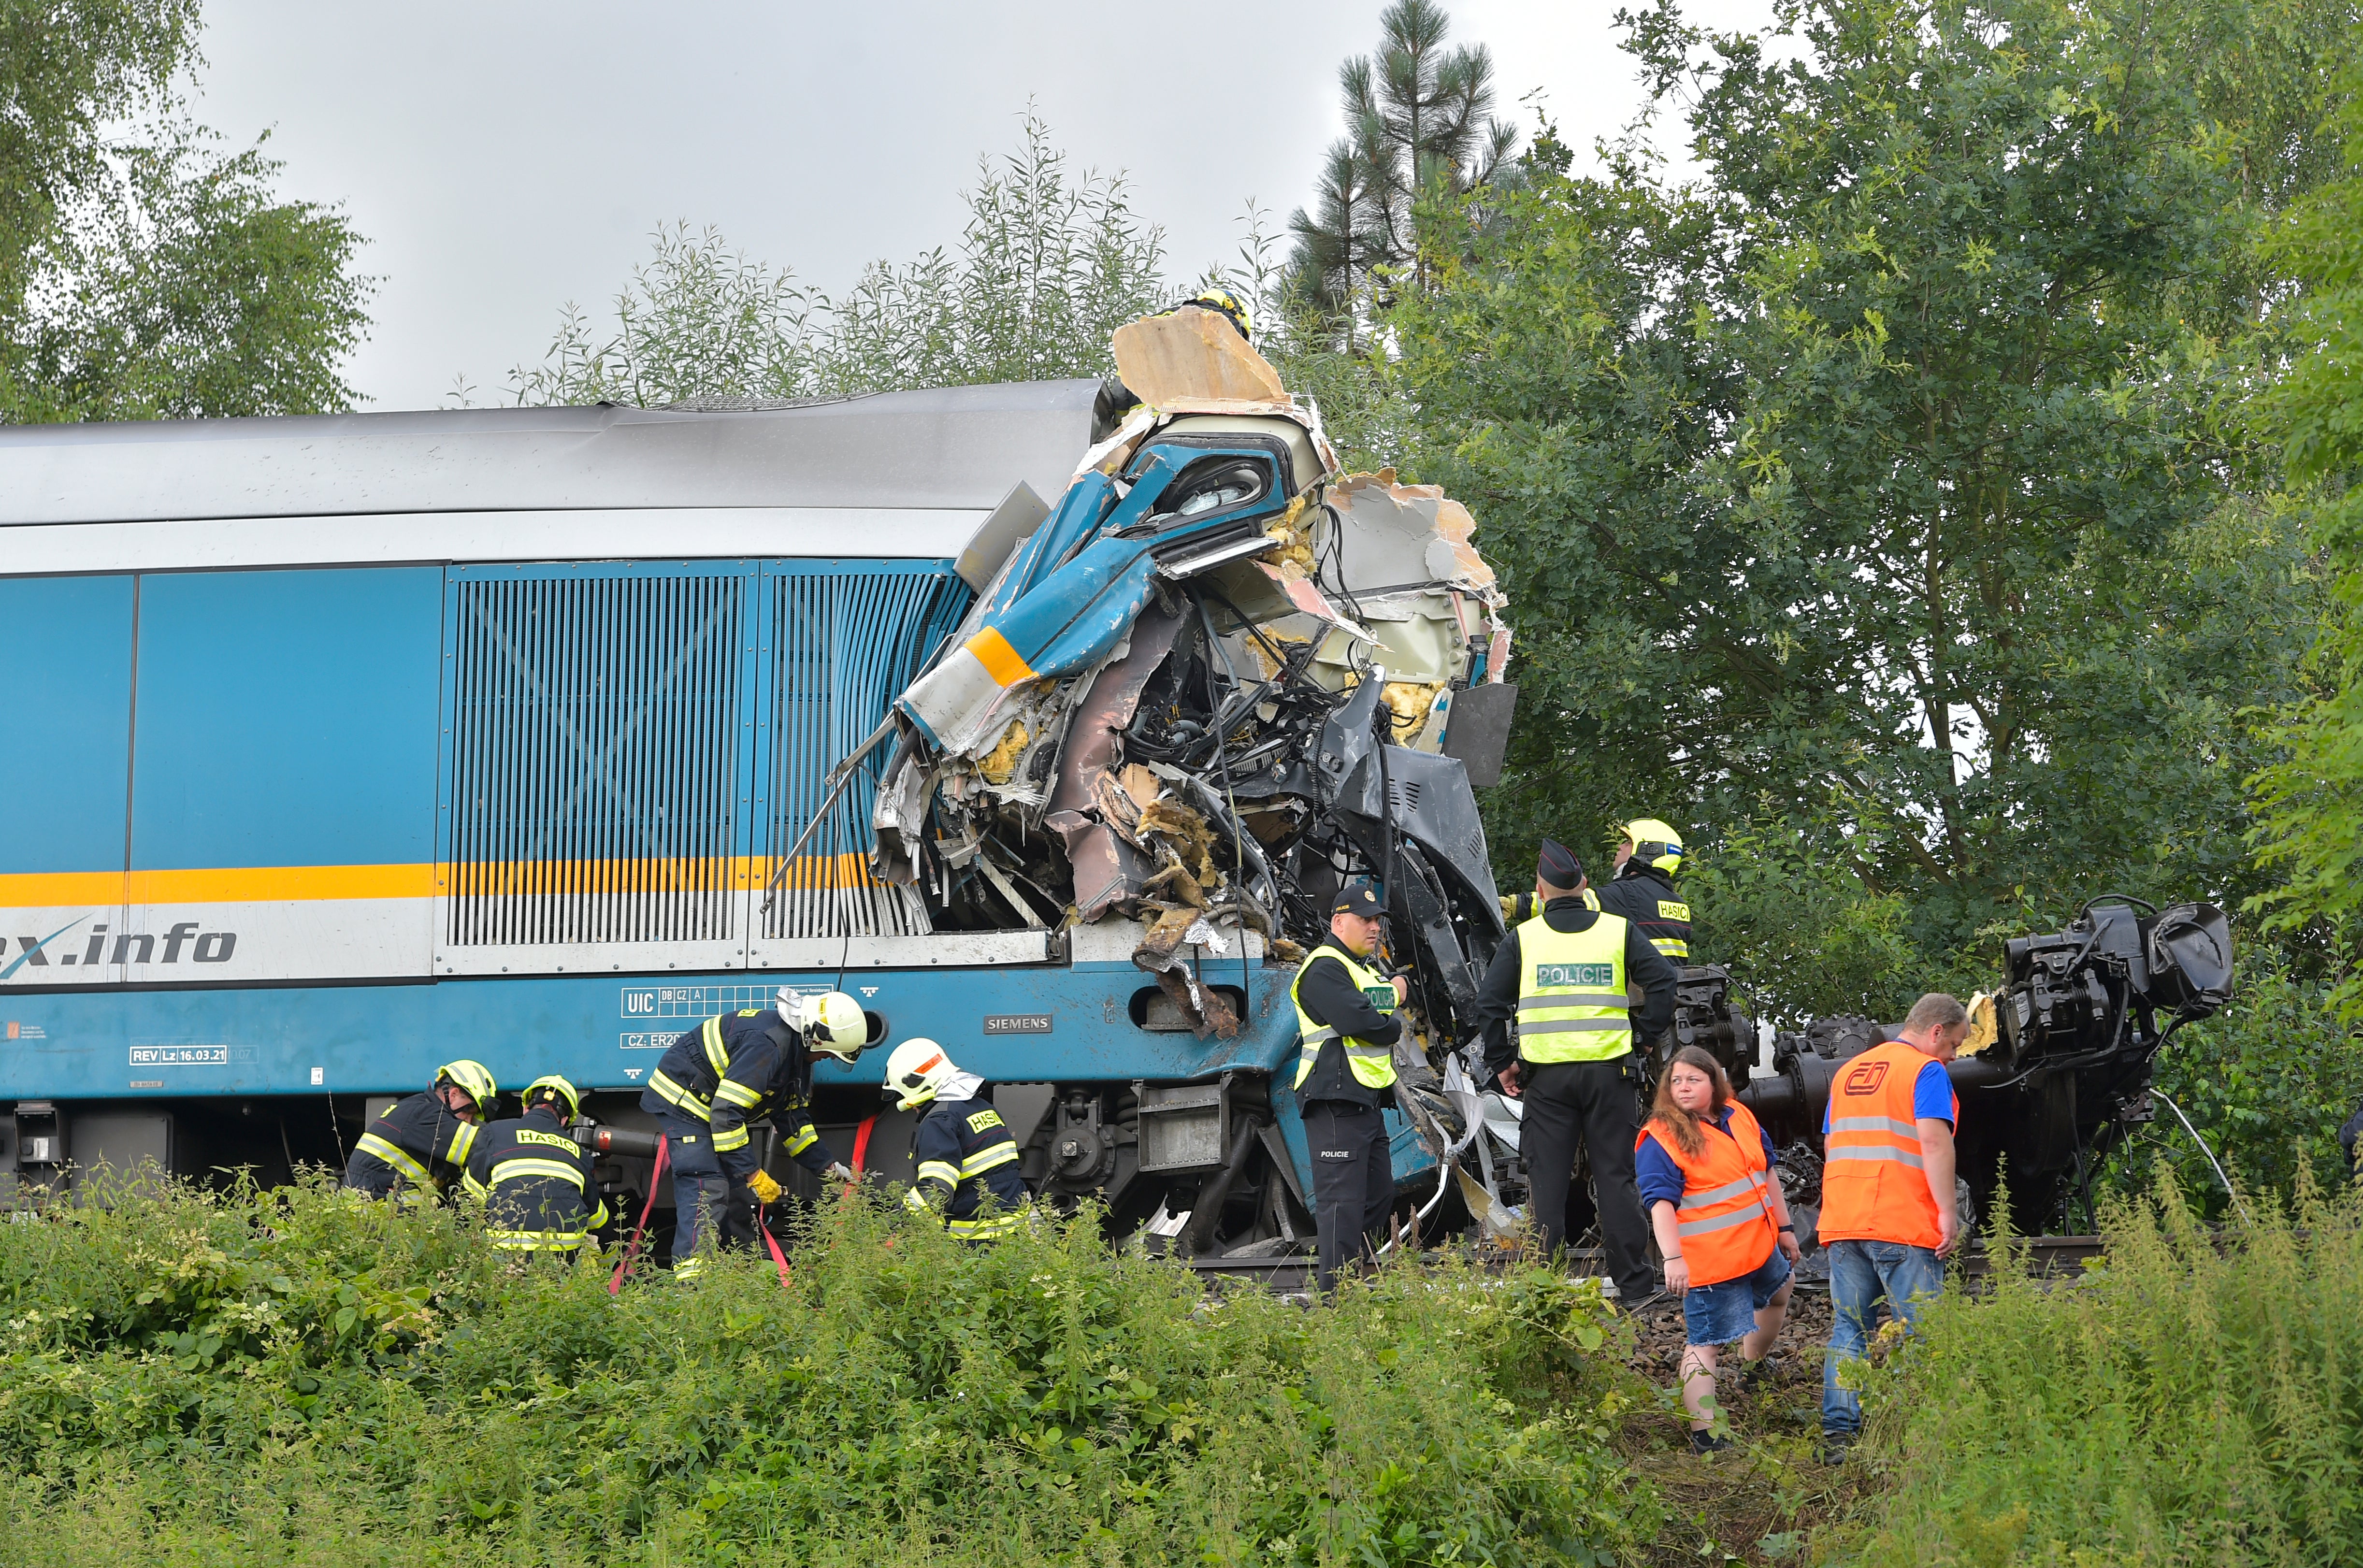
<point x="1373" y="1066"/>
<point x="1572" y="1002"/>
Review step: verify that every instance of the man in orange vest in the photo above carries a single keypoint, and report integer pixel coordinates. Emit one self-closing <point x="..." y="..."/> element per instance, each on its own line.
<point x="1889" y="1215"/>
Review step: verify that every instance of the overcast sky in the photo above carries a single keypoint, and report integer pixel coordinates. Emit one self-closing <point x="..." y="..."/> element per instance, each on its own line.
<point x="504" y="158"/>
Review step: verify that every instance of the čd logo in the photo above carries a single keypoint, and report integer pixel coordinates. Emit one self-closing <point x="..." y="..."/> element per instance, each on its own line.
<point x="1867" y="1078"/>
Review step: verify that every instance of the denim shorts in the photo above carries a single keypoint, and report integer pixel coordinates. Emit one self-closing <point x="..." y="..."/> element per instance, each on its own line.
<point x="1718" y="1314"/>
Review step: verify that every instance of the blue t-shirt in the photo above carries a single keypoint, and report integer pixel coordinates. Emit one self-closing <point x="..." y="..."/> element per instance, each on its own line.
<point x="1932" y="1096"/>
<point x="1661" y="1179"/>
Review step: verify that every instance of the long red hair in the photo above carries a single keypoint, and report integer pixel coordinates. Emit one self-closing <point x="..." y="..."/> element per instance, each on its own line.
<point x="1676" y="1123"/>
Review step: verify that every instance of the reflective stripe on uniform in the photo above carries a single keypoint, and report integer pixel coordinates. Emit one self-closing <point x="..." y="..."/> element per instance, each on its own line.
<point x="984" y="1160"/>
<point x="538" y="1240"/>
<point x="463" y="1141"/>
<point x="1574" y="1026"/>
<point x="1875" y="1124"/>
<point x="940" y="1171"/>
<point x="1875" y="1151"/>
<point x="1720" y="1222"/>
<point x="717" y="1055"/>
<point x="674" y="1095"/>
<point x="523" y="1167"/>
<point x="1573" y="999"/>
<point x="396" y="1156"/>
<point x="985" y="1229"/>
<point x="739" y="1094"/>
<point x="1723" y="1194"/>
<point x="731" y="1138"/>
<point x="805" y="1139"/>
<point x="1672" y="947"/>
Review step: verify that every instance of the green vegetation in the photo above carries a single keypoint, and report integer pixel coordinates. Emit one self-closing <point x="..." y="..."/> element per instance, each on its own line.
<point x="2191" y="1402"/>
<point x="297" y="1378"/>
<point x="145" y="272"/>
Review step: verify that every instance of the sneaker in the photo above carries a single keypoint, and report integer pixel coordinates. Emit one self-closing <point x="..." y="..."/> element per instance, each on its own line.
<point x="1707" y="1442"/>
<point x="1755" y="1373"/>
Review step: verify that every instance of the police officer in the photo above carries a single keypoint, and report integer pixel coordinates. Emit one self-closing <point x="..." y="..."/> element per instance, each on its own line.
<point x="1345" y="1077"/>
<point x="716" y="1082"/>
<point x="537" y="1184"/>
<point x="1563" y="974"/>
<point x="1643" y="888"/>
<point x="964" y="1149"/>
<point x="421" y="1145"/>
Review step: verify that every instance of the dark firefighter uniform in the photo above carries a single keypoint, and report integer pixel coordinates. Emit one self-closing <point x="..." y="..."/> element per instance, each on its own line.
<point x="713" y="1085"/>
<point x="540" y="1193"/>
<point x="1345" y="1079"/>
<point x="1644" y="896"/>
<point x="1563" y="976"/>
<point x="419" y="1145"/>
<point x="964" y="1153"/>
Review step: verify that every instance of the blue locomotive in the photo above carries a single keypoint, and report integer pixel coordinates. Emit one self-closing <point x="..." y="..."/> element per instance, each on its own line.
<point x="341" y="747"/>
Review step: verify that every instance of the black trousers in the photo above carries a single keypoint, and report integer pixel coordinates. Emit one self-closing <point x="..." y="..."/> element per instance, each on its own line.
<point x="705" y="1203"/>
<point x="1595" y="1104"/>
<point x="1353" y="1182"/>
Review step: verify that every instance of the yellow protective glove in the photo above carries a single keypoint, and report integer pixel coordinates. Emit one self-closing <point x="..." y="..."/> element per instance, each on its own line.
<point x="765" y="1189"/>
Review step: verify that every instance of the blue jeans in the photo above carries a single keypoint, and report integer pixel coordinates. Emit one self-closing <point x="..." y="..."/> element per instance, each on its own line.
<point x="1860" y="1273"/>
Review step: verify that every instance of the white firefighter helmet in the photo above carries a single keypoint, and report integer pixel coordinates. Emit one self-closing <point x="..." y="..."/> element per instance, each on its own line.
<point x="915" y="1071"/>
<point x="832" y="1023"/>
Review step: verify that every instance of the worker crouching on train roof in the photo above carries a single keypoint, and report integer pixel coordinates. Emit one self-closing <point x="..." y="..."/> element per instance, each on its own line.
<point x="1890" y="1212"/>
<point x="965" y="1153"/>
<point x="423" y="1142"/>
<point x="1346" y="1029"/>
<point x="540" y="1192"/>
<point x="719" y="1079"/>
<point x="1705" y="1170"/>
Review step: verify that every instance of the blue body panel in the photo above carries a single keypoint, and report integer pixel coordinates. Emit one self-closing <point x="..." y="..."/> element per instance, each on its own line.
<point x="66" y="643"/>
<point x="287" y="718"/>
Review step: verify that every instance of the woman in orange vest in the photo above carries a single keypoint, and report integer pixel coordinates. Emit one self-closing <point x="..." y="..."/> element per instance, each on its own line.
<point x="1705" y="1173"/>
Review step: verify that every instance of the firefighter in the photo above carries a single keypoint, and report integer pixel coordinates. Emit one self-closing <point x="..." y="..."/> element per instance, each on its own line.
<point x="537" y="1184"/>
<point x="421" y="1145"/>
<point x="1889" y="1213"/>
<point x="964" y="1151"/>
<point x="719" y="1079"/>
<point x="1723" y="1225"/>
<point x="1642" y="890"/>
<point x="1346" y="1029"/>
<point x="1563" y="973"/>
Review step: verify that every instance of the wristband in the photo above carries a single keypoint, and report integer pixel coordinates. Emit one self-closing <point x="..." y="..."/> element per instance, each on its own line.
<point x="1791" y="1228"/>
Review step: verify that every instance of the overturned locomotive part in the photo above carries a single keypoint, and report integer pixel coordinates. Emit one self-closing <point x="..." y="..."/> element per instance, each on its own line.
<point x="1216" y="682"/>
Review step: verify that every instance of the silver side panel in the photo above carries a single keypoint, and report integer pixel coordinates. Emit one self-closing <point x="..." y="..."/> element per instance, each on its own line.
<point x="672" y="533"/>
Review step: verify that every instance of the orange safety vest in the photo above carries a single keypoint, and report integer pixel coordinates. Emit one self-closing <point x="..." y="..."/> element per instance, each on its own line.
<point x="1725" y="1219"/>
<point x="1874" y="1184"/>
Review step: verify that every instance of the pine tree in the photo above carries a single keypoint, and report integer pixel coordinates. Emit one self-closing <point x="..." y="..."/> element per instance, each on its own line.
<point x="1419" y="122"/>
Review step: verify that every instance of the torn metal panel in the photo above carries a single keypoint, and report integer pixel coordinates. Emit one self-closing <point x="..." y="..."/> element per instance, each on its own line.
<point x="1215" y="682"/>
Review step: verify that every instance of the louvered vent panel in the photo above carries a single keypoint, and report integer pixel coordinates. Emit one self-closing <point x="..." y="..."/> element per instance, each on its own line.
<point x="595" y="750"/>
<point x="847" y="644"/>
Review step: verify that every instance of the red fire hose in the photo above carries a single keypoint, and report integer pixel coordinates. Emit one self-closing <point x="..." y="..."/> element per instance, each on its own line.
<point x="655" y="1179"/>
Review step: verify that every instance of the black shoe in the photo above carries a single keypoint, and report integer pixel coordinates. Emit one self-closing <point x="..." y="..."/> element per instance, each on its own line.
<point x="1707" y="1442"/>
<point x="1835" y="1446"/>
<point x="1755" y="1373"/>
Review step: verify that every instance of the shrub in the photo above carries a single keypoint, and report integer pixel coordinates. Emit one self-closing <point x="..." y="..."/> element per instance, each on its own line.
<point x="298" y="1377"/>
<point x="2190" y="1401"/>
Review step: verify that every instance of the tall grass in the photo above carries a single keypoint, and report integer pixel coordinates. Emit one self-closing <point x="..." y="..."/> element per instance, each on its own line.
<point x="2197" y="1399"/>
<point x="296" y="1378"/>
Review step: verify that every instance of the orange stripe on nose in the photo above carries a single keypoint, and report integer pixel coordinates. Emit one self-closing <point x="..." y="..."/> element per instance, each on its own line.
<point x="1000" y="660"/>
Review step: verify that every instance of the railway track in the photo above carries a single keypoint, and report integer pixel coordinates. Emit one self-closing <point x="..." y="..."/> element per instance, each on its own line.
<point x="2047" y="1257"/>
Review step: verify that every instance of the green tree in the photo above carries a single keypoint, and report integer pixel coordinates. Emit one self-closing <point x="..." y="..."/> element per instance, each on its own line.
<point x="1418" y="123"/>
<point x="1883" y="484"/>
<point x="1051" y="262"/>
<point x="2311" y="802"/>
<point x="145" y="270"/>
